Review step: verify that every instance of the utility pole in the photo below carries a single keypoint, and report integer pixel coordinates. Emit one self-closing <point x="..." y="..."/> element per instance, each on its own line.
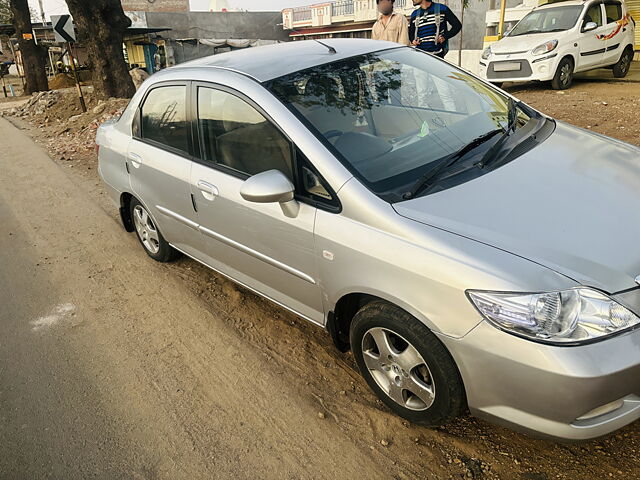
<point x="75" y="76"/>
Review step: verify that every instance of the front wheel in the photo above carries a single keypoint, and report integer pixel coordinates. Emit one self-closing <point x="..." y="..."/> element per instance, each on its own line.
<point x="621" y="68"/>
<point x="564" y="75"/>
<point x="407" y="367"/>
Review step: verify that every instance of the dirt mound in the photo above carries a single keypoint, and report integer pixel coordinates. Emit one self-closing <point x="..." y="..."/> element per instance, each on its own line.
<point x="61" y="80"/>
<point x="72" y="133"/>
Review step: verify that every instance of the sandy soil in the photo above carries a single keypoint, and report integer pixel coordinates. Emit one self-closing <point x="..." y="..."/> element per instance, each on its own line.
<point x="311" y="373"/>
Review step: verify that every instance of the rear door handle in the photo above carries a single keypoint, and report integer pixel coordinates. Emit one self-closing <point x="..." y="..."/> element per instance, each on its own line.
<point x="210" y="192"/>
<point x="135" y="159"/>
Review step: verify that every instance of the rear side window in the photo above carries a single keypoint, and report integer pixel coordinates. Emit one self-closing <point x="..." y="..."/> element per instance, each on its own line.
<point x="613" y="11"/>
<point x="164" y="117"/>
<point x="237" y="136"/>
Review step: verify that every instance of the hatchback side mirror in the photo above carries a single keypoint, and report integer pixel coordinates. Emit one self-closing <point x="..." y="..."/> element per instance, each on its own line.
<point x="589" y="26"/>
<point x="271" y="186"/>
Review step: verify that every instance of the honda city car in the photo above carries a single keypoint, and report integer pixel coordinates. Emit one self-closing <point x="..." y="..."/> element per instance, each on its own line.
<point x="471" y="253"/>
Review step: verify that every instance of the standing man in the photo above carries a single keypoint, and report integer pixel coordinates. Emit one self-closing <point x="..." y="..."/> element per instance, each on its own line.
<point x="431" y="27"/>
<point x="390" y="26"/>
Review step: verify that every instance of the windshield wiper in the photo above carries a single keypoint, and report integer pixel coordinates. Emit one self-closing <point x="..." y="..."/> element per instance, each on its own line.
<point x="512" y="121"/>
<point x="526" y="33"/>
<point x="426" y="180"/>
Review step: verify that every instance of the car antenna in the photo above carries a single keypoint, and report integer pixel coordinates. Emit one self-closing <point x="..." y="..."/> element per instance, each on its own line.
<point x="331" y="49"/>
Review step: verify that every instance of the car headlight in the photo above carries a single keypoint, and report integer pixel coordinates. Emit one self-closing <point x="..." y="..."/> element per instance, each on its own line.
<point x="569" y="316"/>
<point x="546" y="47"/>
<point x="487" y="53"/>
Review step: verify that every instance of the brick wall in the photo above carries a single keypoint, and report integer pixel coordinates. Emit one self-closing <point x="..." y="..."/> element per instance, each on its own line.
<point x="156" y="6"/>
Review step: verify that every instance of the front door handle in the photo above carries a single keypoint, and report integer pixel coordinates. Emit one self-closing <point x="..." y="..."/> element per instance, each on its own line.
<point x="210" y="192"/>
<point x="135" y="159"/>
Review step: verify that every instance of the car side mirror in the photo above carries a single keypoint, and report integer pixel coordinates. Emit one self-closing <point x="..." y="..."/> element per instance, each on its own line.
<point x="271" y="186"/>
<point x="589" y="26"/>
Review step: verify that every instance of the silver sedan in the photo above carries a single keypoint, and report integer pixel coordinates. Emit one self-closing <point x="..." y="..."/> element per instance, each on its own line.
<point x="470" y="251"/>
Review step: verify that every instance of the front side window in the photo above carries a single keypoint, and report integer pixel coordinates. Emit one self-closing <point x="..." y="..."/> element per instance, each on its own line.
<point x="613" y="11"/>
<point x="393" y="115"/>
<point x="594" y="14"/>
<point x="554" y="19"/>
<point x="164" y="117"/>
<point x="237" y="136"/>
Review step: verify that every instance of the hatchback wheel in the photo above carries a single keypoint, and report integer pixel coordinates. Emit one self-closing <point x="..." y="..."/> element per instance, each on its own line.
<point x="406" y="365"/>
<point x="149" y="235"/>
<point x="621" y="68"/>
<point x="564" y="75"/>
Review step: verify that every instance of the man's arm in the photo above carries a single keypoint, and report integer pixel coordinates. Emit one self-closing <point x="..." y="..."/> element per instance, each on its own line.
<point x="403" y="35"/>
<point x="453" y="22"/>
<point x="412" y="27"/>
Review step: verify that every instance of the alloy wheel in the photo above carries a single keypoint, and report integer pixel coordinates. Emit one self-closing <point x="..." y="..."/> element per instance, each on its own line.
<point x="398" y="369"/>
<point x="625" y="63"/>
<point x="565" y="74"/>
<point x="146" y="229"/>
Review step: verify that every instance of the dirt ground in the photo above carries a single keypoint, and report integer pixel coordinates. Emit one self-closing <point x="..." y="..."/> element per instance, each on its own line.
<point x="303" y="356"/>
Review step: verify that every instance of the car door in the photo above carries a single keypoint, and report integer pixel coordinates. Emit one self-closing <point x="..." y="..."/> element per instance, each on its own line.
<point x="159" y="162"/>
<point x="591" y="44"/>
<point x="614" y="33"/>
<point x="256" y="244"/>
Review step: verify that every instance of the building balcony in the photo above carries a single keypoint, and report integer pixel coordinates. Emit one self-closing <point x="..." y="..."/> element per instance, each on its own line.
<point x="337" y="13"/>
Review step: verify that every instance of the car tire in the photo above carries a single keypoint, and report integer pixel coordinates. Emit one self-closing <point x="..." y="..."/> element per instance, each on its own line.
<point x="149" y="234"/>
<point x="411" y="371"/>
<point x="564" y="74"/>
<point x="621" y="68"/>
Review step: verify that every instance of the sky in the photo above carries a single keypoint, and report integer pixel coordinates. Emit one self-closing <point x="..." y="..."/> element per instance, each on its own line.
<point x="57" y="7"/>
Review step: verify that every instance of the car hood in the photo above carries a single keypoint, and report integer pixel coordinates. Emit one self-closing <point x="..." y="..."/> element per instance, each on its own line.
<point x="570" y="204"/>
<point x="523" y="43"/>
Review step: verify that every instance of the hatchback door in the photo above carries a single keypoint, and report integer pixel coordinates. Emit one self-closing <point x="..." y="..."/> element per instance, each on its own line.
<point x="591" y="44"/>
<point x="159" y="162"/>
<point x="254" y="243"/>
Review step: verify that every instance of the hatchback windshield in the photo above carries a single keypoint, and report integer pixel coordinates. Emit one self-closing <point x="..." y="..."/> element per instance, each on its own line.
<point x="392" y="116"/>
<point x="555" y="19"/>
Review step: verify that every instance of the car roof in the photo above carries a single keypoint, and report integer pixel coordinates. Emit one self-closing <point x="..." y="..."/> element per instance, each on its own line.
<point x="562" y="4"/>
<point x="272" y="61"/>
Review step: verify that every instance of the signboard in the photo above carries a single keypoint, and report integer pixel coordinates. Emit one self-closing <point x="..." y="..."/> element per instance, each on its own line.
<point x="27" y="36"/>
<point x="63" y="28"/>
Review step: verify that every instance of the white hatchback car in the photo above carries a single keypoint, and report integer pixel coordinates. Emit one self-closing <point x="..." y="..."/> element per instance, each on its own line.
<point x="556" y="40"/>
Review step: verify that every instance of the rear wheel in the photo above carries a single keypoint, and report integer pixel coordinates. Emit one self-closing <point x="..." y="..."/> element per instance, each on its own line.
<point x="621" y="68"/>
<point x="407" y="367"/>
<point x="149" y="235"/>
<point x="564" y="75"/>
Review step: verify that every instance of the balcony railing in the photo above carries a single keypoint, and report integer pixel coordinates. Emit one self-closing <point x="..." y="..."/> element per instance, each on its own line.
<point x="341" y="8"/>
<point x="302" y="14"/>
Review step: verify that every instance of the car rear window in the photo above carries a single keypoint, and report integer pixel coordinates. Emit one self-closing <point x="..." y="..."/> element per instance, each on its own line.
<point x="164" y="117"/>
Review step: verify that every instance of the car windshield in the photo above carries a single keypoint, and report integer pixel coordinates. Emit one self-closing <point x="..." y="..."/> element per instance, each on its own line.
<point x="393" y="116"/>
<point x="555" y="19"/>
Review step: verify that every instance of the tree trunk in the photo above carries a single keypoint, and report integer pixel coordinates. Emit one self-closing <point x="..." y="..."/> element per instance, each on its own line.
<point x="34" y="57"/>
<point x="101" y="25"/>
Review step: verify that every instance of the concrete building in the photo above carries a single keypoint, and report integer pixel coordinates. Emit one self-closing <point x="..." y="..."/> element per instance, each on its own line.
<point x="155" y="5"/>
<point x="355" y="18"/>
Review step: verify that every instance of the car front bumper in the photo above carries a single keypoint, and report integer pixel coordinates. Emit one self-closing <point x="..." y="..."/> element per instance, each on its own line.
<point x="541" y="68"/>
<point x="550" y="391"/>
